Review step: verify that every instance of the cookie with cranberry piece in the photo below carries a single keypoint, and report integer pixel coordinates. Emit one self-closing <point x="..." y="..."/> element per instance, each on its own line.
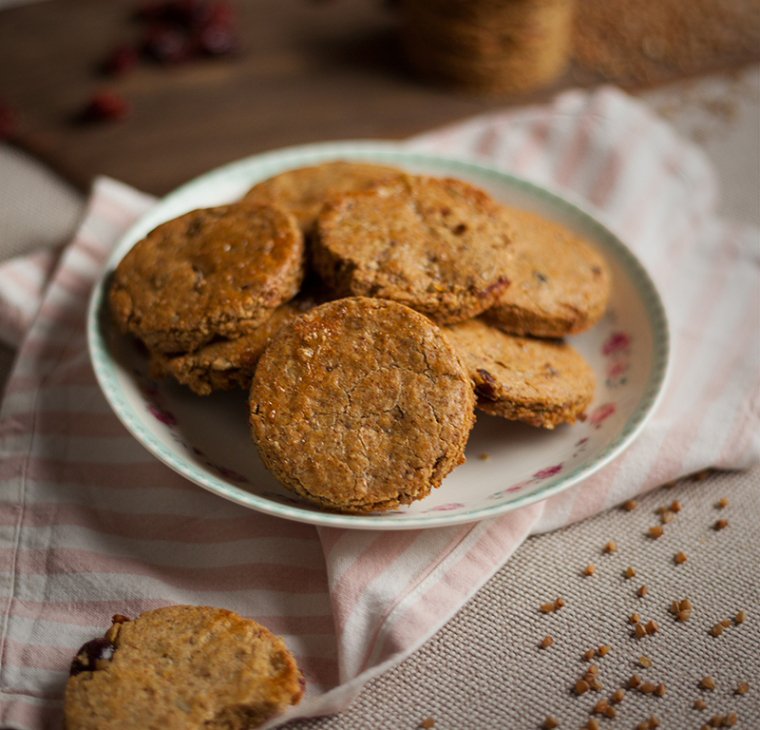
<point x="440" y="246"/>
<point x="361" y="405"/>
<point x="181" y="668"/>
<point x="560" y="283"/>
<point x="540" y="382"/>
<point x="303" y="191"/>
<point x="214" y="272"/>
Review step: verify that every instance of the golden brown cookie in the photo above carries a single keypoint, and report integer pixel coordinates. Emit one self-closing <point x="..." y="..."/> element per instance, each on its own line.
<point x="440" y="246"/>
<point x="214" y="272"/>
<point x="540" y="382"/>
<point x="226" y="364"/>
<point x="361" y="405"/>
<point x="303" y="191"/>
<point x="181" y="668"/>
<point x="559" y="283"/>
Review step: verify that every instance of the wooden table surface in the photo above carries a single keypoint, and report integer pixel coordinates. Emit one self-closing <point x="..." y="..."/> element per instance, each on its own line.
<point x="309" y="72"/>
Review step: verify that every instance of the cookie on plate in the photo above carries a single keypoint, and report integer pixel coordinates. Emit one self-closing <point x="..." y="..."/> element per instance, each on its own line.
<point x="540" y="382"/>
<point x="559" y="283"/>
<point x="361" y="405"/>
<point x="214" y="272"/>
<point x="304" y="190"/>
<point x="440" y="246"/>
<point x="226" y="364"/>
<point x="181" y="668"/>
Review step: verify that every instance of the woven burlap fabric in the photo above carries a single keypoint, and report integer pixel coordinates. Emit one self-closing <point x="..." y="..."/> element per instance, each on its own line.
<point x="486" y="668"/>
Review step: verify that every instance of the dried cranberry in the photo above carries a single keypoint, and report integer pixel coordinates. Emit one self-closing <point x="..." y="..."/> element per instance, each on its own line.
<point x="90" y="654"/>
<point x="9" y="121"/>
<point x="121" y="60"/>
<point x="106" y="106"/>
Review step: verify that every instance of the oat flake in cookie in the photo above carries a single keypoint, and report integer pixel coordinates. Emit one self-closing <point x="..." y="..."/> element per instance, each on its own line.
<point x="540" y="382"/>
<point x="361" y="405"/>
<point x="211" y="272"/>
<point x="181" y="668"/>
<point x="440" y="246"/>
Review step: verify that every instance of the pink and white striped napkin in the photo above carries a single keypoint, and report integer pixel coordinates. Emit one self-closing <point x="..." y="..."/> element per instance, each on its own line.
<point x="91" y="524"/>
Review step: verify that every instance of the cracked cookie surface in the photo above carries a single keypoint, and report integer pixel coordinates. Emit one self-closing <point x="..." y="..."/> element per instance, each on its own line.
<point x="439" y="246"/>
<point x="559" y="283"/>
<point x="361" y="405"/>
<point x="211" y="272"/>
<point x="181" y="668"/>
<point x="540" y="382"/>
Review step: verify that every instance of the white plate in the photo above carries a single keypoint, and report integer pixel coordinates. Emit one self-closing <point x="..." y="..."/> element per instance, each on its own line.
<point x="508" y="465"/>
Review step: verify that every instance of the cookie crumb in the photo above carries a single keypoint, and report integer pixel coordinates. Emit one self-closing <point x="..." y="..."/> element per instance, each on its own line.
<point x="707" y="683"/>
<point x="680" y="557"/>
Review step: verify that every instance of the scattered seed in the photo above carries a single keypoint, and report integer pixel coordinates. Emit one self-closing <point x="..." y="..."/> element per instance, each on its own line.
<point x="618" y="695"/>
<point x="592" y="724"/>
<point x="668" y="517"/>
<point x="725" y="623"/>
<point x="739" y="618"/>
<point x="634" y="618"/>
<point x="645" y="662"/>
<point x="675" y="607"/>
<point x="643" y="591"/>
<point x="669" y="485"/>
<point x="652" y="627"/>
<point x="707" y="683"/>
<point x="716" y="720"/>
<point x="634" y="681"/>
<point x="581" y="686"/>
<point x="601" y="706"/>
<point x="484" y="457"/>
<point x="722" y="502"/>
<point x="604" y="650"/>
<point x="593" y="669"/>
<point x="590" y="569"/>
<point x="656" y="531"/>
<point x="653" y="722"/>
<point x="589" y="654"/>
<point x="700" y="704"/>
<point x="661" y="510"/>
<point x="630" y="505"/>
<point x="720" y="524"/>
<point x="546" y="642"/>
<point x="675" y="506"/>
<point x="629" y="572"/>
<point x="427" y="723"/>
<point x="716" y="630"/>
<point x="647" y="688"/>
<point x="610" y="547"/>
<point x="640" y="631"/>
<point x="680" y="557"/>
<point x="559" y="603"/>
<point x="742" y="689"/>
<point x="643" y="725"/>
<point x="610" y="712"/>
<point x="659" y="690"/>
<point x="550" y="723"/>
<point x="547" y="607"/>
<point x="684" y="615"/>
<point x="595" y="683"/>
<point x="700" y="476"/>
<point x="731" y="719"/>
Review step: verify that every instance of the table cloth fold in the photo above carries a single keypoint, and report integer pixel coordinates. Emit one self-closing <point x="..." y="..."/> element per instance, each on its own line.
<point x="91" y="524"/>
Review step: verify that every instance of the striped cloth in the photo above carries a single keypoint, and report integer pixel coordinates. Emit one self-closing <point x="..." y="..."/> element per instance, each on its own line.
<point x="92" y="525"/>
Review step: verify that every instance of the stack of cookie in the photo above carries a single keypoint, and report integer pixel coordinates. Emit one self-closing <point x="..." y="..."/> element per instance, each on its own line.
<point x="425" y="298"/>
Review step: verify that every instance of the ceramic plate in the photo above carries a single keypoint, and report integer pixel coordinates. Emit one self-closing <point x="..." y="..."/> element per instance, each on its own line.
<point x="508" y="465"/>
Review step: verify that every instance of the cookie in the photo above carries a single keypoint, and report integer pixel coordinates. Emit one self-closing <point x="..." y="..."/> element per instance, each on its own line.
<point x="361" y="405"/>
<point x="304" y="190"/>
<point x="440" y="246"/>
<point x="225" y="364"/>
<point x="540" y="382"/>
<point x="560" y="283"/>
<point x="214" y="272"/>
<point x="181" y="668"/>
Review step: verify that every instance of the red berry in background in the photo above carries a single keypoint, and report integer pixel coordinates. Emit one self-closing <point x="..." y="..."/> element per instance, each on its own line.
<point x="166" y="45"/>
<point x="121" y="60"/>
<point x="106" y="106"/>
<point x="10" y="121"/>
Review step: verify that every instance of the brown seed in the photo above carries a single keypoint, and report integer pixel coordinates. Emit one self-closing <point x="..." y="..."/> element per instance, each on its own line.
<point x="700" y="704"/>
<point x="652" y="627"/>
<point x="630" y="504"/>
<point x="610" y="547"/>
<point x="675" y="506"/>
<point x="634" y="681"/>
<point x="629" y="572"/>
<point x="716" y="630"/>
<point x="668" y="517"/>
<point x="661" y="510"/>
<point x="550" y="723"/>
<point x="700" y="476"/>
<point x="742" y="689"/>
<point x="643" y="725"/>
<point x="640" y="631"/>
<point x="647" y="688"/>
<point x="645" y="662"/>
<point x="656" y="531"/>
<point x="604" y="650"/>
<point x="593" y="669"/>
<point x="559" y="603"/>
<point x="725" y="623"/>
<point x="675" y="607"/>
<point x="588" y="655"/>
<point x="659" y="690"/>
<point x="618" y="695"/>
<point x="595" y="683"/>
<point x="680" y="557"/>
<point x="634" y="618"/>
<point x="722" y="502"/>
<point x="685" y="605"/>
<point x="707" y="683"/>
<point x="669" y="485"/>
<point x="601" y="706"/>
<point x="720" y="524"/>
<point x="590" y="569"/>
<point x="592" y="724"/>
<point x="643" y="591"/>
<point x="653" y="721"/>
<point x="547" y="607"/>
<point x="731" y="719"/>
<point x="716" y="720"/>
<point x="739" y="618"/>
<point x="581" y="686"/>
<point x="546" y="642"/>
<point x="610" y="712"/>
<point x="427" y="723"/>
<point x="684" y="615"/>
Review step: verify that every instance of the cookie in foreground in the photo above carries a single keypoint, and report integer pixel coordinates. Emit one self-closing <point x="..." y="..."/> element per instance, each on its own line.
<point x="361" y="405"/>
<point x="181" y="668"/>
